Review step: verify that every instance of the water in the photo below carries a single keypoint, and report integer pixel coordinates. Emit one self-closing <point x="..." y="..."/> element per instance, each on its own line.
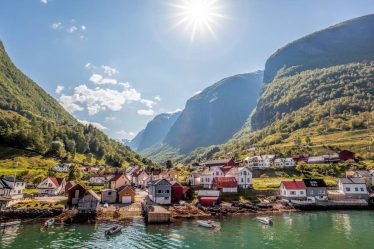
<point x="329" y="230"/>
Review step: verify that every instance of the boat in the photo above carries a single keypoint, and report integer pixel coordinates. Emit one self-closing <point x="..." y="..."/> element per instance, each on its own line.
<point x="265" y="220"/>
<point x="207" y="223"/>
<point x="49" y="222"/>
<point x="11" y="223"/>
<point x="113" y="230"/>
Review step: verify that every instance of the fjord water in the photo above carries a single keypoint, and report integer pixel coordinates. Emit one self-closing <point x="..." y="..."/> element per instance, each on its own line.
<point x="329" y="230"/>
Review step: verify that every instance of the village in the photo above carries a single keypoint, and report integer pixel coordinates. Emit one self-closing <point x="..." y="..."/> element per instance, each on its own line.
<point x="211" y="188"/>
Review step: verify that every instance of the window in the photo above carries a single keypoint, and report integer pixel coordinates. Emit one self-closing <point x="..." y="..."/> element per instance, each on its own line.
<point x="292" y="192"/>
<point x="242" y="180"/>
<point x="167" y="191"/>
<point x="247" y="179"/>
<point x="311" y="192"/>
<point x="301" y="192"/>
<point x="347" y="189"/>
<point x="109" y="193"/>
<point x="356" y="189"/>
<point x="159" y="191"/>
<point x="362" y="190"/>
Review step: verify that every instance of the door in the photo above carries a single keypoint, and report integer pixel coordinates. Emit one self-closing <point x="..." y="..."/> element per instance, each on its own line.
<point x="126" y="199"/>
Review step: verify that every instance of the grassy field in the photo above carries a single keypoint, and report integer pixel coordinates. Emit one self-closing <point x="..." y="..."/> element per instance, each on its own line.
<point x="274" y="182"/>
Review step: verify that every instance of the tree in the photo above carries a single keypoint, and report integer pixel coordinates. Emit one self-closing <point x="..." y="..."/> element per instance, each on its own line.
<point x="74" y="174"/>
<point x="307" y="140"/>
<point x="169" y="164"/>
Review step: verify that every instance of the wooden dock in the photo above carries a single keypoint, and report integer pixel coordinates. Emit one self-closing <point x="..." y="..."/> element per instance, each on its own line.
<point x="155" y="214"/>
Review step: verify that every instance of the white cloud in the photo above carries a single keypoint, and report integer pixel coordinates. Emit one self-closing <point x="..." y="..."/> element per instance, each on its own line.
<point x="143" y="112"/>
<point x="125" y="134"/>
<point x="99" y="99"/>
<point x="157" y="98"/>
<point x="110" y="118"/>
<point x="68" y="102"/>
<point x="44" y="1"/>
<point x="83" y="28"/>
<point x="175" y="111"/>
<point x="72" y="29"/>
<point x="110" y="71"/>
<point x="57" y="25"/>
<point x="95" y="124"/>
<point x="96" y="78"/>
<point x="59" y="89"/>
<point x="108" y="81"/>
<point x="88" y="65"/>
<point x="148" y="103"/>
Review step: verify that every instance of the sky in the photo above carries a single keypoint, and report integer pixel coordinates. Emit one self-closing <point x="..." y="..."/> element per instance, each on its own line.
<point x="118" y="63"/>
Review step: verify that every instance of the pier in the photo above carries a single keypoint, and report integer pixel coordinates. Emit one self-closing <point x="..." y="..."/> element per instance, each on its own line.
<point x="155" y="214"/>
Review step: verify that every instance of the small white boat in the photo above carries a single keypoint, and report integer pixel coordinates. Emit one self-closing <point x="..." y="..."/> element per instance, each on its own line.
<point x="11" y="223"/>
<point x="265" y="220"/>
<point x="113" y="230"/>
<point x="49" y="222"/>
<point x="207" y="223"/>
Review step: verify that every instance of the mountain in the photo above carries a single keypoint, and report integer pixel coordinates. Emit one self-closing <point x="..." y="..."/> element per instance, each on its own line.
<point x="318" y="97"/>
<point x="215" y="114"/>
<point x="134" y="143"/>
<point x="346" y="42"/>
<point x="31" y="119"/>
<point x="155" y="131"/>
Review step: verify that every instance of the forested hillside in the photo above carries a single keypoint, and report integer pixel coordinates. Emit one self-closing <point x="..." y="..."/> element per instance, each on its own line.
<point x="32" y="119"/>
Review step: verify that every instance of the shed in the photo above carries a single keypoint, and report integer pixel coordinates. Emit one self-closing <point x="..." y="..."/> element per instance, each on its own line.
<point x="225" y="184"/>
<point x="346" y="155"/>
<point x="126" y="194"/>
<point x="176" y="192"/>
<point x="209" y="197"/>
<point x="89" y="202"/>
<point x="69" y="185"/>
<point x="108" y="196"/>
<point x="75" y="193"/>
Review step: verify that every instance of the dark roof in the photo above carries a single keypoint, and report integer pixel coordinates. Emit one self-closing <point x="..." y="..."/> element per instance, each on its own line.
<point x="310" y="183"/>
<point x="11" y="179"/>
<point x="155" y="182"/>
<point x="116" y="177"/>
<point x="123" y="187"/>
<point x="223" y="161"/>
<point x="352" y="180"/>
<point x="3" y="184"/>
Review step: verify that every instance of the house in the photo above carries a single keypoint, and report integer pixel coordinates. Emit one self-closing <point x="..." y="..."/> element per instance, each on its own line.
<point x="259" y="162"/>
<point x="196" y="166"/>
<point x="97" y="179"/>
<point x="331" y="158"/>
<point x="353" y="187"/>
<point x="52" y="186"/>
<point x="194" y="179"/>
<point x="117" y="181"/>
<point x="345" y="155"/>
<point x="89" y="168"/>
<point x="75" y="193"/>
<point x="139" y="178"/>
<point x="89" y="202"/>
<point x="316" y="188"/>
<point x="159" y="191"/>
<point x="171" y="175"/>
<point x="225" y="184"/>
<point x="316" y="160"/>
<point x="62" y="168"/>
<point x="131" y="170"/>
<point x="220" y="163"/>
<point x="109" y="195"/>
<point x="68" y="185"/>
<point x="177" y="192"/>
<point x="293" y="190"/>
<point x="126" y="194"/>
<point x="284" y="162"/>
<point x="209" y="197"/>
<point x="11" y="190"/>
<point x="244" y="178"/>
<point x="301" y="158"/>
<point x="208" y="174"/>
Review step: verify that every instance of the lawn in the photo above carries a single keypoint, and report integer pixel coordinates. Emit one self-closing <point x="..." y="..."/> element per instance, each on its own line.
<point x="37" y="204"/>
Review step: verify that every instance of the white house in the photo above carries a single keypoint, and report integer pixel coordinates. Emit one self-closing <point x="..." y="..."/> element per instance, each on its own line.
<point x="208" y="174"/>
<point x="11" y="189"/>
<point x="259" y="162"/>
<point x="62" y="168"/>
<point x="284" y="162"/>
<point x="140" y="178"/>
<point x="353" y="187"/>
<point x="194" y="179"/>
<point x="244" y="177"/>
<point x="52" y="186"/>
<point x="97" y="179"/>
<point x="293" y="190"/>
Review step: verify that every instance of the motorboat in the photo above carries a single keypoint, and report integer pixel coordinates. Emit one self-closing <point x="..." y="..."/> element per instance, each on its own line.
<point x="49" y="222"/>
<point x="265" y="220"/>
<point x="10" y="223"/>
<point x="207" y="223"/>
<point x="113" y="230"/>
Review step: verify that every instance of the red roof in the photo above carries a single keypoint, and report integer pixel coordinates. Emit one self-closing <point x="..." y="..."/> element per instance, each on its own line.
<point x="294" y="184"/>
<point x="136" y="173"/>
<point x="116" y="177"/>
<point x="56" y="181"/>
<point x="225" y="182"/>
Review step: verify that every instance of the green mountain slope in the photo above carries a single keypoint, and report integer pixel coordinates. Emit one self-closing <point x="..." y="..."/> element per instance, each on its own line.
<point x="346" y="42"/>
<point x="215" y="114"/>
<point x="31" y="119"/>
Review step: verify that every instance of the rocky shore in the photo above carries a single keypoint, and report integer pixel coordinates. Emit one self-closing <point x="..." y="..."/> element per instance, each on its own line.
<point x="32" y="213"/>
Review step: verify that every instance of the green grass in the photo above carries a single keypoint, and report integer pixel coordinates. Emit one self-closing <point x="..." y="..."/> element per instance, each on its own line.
<point x="273" y="183"/>
<point x="37" y="204"/>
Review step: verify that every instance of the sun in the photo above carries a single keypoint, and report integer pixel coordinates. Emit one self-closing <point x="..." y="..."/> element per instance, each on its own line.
<point x="198" y="16"/>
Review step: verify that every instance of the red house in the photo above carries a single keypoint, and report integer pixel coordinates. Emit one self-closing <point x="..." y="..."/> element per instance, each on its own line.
<point x="225" y="184"/>
<point x="75" y="193"/>
<point x="209" y="198"/>
<point x="68" y="186"/>
<point x="346" y="155"/>
<point x="177" y="192"/>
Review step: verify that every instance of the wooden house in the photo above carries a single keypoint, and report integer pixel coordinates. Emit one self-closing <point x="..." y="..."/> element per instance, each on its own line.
<point x="209" y="197"/>
<point x="159" y="191"/>
<point x="316" y="188"/>
<point x="177" y="192"/>
<point x="89" y="202"/>
<point x="293" y="190"/>
<point x="109" y="195"/>
<point x="126" y="194"/>
<point x="52" y="186"/>
<point x="354" y="187"/>
<point x="117" y="181"/>
<point x="345" y="155"/>
<point x="75" y="193"/>
<point x="225" y="184"/>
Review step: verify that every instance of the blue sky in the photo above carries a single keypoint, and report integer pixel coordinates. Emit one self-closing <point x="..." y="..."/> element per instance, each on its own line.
<point x="117" y="63"/>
